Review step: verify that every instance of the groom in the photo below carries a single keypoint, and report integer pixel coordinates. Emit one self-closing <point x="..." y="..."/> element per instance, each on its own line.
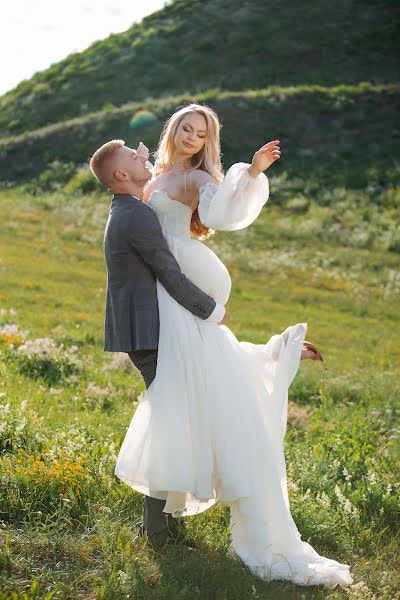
<point x="137" y="254"/>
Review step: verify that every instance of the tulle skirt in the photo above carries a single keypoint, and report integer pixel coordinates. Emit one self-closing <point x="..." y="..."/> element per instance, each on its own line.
<point x="210" y="428"/>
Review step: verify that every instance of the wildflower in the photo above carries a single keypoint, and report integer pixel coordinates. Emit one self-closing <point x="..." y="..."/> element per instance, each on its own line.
<point x="360" y="591"/>
<point x="96" y="391"/>
<point x="120" y="361"/>
<point x="122" y="576"/>
<point x="11" y="336"/>
<point x="55" y="391"/>
<point x="324" y="499"/>
<point x="42" y="357"/>
<point x="345" y="503"/>
<point x="346" y="474"/>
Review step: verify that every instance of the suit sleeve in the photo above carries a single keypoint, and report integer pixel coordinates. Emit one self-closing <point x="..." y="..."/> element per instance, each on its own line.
<point x="145" y="235"/>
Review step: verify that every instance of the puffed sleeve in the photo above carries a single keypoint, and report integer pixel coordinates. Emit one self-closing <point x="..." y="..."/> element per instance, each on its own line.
<point x="236" y="203"/>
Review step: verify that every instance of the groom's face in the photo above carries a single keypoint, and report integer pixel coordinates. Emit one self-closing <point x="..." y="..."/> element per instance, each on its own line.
<point x="133" y="165"/>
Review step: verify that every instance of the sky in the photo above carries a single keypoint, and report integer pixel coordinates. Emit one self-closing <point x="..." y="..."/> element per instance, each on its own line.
<point x="38" y="33"/>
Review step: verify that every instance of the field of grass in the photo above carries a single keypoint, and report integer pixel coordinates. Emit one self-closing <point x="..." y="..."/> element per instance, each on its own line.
<point x="68" y="526"/>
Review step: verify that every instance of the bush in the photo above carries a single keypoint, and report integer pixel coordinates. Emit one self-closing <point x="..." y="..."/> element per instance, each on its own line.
<point x="42" y="358"/>
<point x="83" y="182"/>
<point x="54" y="177"/>
<point x="299" y="204"/>
<point x="20" y="429"/>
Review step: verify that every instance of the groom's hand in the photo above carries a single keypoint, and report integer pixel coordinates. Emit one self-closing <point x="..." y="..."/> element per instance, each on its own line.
<point x="224" y="319"/>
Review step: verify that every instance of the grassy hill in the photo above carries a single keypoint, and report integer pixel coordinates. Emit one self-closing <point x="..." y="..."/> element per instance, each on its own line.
<point x="193" y="45"/>
<point x="339" y="135"/>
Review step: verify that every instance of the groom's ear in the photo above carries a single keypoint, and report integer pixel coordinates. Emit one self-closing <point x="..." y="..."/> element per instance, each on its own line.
<point x="119" y="175"/>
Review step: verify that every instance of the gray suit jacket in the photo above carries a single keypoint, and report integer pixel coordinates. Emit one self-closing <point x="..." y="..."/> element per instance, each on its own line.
<point x="137" y="254"/>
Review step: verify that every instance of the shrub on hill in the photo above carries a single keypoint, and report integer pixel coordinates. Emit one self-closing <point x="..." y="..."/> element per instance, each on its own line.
<point x="337" y="134"/>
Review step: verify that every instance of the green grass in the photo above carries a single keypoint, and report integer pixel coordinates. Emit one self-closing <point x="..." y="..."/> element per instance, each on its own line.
<point x="191" y="46"/>
<point x="72" y="528"/>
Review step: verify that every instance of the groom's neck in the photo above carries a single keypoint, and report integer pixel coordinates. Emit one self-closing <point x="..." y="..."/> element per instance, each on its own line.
<point x="132" y="189"/>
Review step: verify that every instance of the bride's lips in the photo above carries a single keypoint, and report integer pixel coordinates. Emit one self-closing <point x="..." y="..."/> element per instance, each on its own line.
<point x="188" y="145"/>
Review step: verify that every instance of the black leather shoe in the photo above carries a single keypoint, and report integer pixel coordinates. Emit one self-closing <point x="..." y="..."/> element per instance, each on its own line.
<point x="173" y="534"/>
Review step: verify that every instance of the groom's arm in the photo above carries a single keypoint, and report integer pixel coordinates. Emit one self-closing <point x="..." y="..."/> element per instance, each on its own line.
<point x="145" y="235"/>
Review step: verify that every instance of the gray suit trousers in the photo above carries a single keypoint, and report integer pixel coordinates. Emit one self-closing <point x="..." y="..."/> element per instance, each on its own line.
<point x="154" y="519"/>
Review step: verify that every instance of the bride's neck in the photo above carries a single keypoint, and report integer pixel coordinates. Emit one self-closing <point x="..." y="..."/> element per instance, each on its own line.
<point x="180" y="161"/>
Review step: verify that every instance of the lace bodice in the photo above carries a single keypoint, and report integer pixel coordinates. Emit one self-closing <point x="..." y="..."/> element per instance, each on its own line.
<point x="174" y="216"/>
<point x="196" y="260"/>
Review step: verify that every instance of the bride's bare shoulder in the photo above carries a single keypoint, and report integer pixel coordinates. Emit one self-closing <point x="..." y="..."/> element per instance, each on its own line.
<point x="197" y="178"/>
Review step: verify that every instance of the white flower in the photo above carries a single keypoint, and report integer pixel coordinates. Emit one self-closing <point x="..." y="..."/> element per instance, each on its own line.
<point x="360" y="591"/>
<point x="372" y="477"/>
<point x="8" y="329"/>
<point x="345" y="503"/>
<point x="122" y="576"/>
<point x="324" y="499"/>
<point x="346" y="474"/>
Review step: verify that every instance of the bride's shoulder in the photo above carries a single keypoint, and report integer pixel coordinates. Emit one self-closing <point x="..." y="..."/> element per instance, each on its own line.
<point x="197" y="178"/>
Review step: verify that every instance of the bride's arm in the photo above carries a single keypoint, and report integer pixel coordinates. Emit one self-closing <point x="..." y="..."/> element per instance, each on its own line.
<point x="238" y="201"/>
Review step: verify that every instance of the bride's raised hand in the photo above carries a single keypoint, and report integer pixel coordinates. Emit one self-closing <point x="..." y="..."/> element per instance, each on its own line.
<point x="264" y="157"/>
<point x="311" y="351"/>
<point x="143" y="150"/>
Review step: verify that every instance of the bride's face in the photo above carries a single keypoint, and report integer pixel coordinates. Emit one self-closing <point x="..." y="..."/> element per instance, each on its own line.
<point x="191" y="134"/>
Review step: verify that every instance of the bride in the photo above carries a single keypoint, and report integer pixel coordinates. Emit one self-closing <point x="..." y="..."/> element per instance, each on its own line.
<point x="210" y="427"/>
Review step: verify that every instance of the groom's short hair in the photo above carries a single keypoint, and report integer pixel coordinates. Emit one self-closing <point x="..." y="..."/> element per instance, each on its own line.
<point x="100" y="162"/>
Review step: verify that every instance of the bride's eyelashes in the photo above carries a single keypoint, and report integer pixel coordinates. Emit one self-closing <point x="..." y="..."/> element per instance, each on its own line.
<point x="189" y="130"/>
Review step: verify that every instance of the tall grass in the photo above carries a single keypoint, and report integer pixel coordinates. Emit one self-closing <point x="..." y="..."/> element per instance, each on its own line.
<point x="69" y="527"/>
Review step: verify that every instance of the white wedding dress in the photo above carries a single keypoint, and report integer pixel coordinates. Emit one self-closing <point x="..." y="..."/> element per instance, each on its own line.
<point x="211" y="426"/>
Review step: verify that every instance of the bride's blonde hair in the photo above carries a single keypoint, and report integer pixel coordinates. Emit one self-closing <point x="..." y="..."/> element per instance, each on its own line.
<point x="208" y="159"/>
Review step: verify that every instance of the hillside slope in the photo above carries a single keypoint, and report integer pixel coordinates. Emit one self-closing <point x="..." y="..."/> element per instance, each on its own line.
<point x="194" y="45"/>
<point x="336" y="134"/>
